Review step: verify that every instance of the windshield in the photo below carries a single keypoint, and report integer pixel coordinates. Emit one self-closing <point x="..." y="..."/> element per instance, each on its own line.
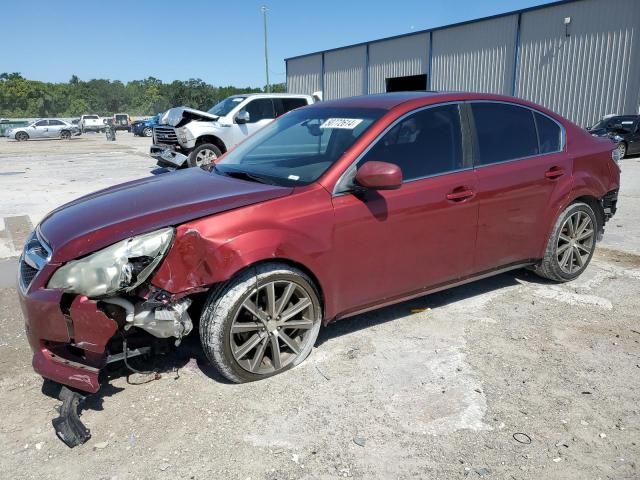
<point x="225" y="106"/>
<point x="299" y="147"/>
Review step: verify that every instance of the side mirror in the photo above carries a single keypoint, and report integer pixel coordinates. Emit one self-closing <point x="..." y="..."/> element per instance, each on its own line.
<point x="379" y="176"/>
<point x="242" y="117"/>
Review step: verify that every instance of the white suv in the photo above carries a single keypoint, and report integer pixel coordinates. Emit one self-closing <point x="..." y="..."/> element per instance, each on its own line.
<point x="188" y="137"/>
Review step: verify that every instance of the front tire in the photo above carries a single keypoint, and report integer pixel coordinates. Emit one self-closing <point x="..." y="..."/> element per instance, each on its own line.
<point x="622" y="149"/>
<point x="571" y="244"/>
<point x="22" y="136"/>
<point x="203" y="156"/>
<point x="65" y="134"/>
<point x="263" y="322"/>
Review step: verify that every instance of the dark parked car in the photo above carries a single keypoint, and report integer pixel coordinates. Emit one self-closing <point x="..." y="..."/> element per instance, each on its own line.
<point x="624" y="130"/>
<point x="144" y="128"/>
<point x="331" y="210"/>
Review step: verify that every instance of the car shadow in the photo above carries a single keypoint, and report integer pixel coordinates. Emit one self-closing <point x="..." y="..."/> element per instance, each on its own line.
<point x="430" y="301"/>
<point x="190" y="353"/>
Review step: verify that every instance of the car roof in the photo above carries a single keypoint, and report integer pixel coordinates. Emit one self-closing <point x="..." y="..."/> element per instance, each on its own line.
<point x="286" y="95"/>
<point x="389" y="101"/>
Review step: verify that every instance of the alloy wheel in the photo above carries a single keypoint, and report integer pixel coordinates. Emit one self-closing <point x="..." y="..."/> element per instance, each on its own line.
<point x="622" y="150"/>
<point x="21" y="136"/>
<point x="575" y="242"/>
<point x="272" y="327"/>
<point x="205" y="157"/>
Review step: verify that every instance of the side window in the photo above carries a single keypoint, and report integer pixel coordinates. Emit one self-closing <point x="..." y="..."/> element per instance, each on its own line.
<point x="260" y="109"/>
<point x="549" y="134"/>
<point x="42" y="123"/>
<point x="505" y="132"/>
<point x="428" y="142"/>
<point x="284" y="105"/>
<point x="55" y="122"/>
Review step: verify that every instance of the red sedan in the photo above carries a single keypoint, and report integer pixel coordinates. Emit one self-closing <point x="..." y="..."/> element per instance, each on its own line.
<point x="330" y="211"/>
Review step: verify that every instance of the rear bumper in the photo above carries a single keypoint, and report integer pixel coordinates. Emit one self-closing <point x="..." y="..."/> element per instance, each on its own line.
<point x="68" y="347"/>
<point x="610" y="204"/>
<point x="167" y="156"/>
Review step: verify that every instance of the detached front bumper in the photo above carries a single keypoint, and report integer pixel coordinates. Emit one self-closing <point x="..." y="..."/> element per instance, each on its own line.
<point x="167" y="156"/>
<point x="68" y="340"/>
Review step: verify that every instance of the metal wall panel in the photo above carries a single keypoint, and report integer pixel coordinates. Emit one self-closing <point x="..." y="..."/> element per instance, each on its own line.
<point x="304" y="75"/>
<point x="475" y="57"/>
<point x="345" y="72"/>
<point x="590" y="73"/>
<point x="398" y="57"/>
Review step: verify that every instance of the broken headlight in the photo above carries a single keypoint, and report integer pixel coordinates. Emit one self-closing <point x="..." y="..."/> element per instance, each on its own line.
<point x="122" y="266"/>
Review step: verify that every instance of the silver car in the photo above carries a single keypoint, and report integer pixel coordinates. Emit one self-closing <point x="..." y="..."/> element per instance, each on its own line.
<point x="52" y="128"/>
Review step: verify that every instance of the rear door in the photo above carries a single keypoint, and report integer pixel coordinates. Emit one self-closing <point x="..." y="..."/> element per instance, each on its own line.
<point x="395" y="242"/>
<point x="283" y="105"/>
<point x="55" y="127"/>
<point x="522" y="172"/>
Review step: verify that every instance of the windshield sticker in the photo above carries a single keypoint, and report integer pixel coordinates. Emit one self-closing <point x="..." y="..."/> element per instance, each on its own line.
<point x="345" y="123"/>
<point x="293" y="177"/>
<point x="627" y="122"/>
<point x="237" y="99"/>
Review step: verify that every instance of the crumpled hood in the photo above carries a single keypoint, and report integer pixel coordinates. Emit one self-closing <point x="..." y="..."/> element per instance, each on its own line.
<point x="178" y="116"/>
<point x="105" y="217"/>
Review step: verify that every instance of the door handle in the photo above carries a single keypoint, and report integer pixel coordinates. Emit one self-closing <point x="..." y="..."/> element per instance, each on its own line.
<point x="554" y="172"/>
<point x="458" y="195"/>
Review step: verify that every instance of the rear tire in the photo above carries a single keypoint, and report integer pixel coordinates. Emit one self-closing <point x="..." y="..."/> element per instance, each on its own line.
<point x="571" y="244"/>
<point x="203" y="156"/>
<point x="263" y="322"/>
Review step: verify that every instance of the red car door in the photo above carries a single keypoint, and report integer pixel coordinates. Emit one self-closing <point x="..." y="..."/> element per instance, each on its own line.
<point x="394" y="242"/>
<point x="522" y="173"/>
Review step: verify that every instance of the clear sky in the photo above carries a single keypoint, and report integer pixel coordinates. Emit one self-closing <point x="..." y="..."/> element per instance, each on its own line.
<point x="220" y="42"/>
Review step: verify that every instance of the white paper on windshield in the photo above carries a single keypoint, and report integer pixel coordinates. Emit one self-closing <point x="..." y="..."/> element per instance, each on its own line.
<point x="293" y="177"/>
<point x="345" y="123"/>
<point x="627" y="122"/>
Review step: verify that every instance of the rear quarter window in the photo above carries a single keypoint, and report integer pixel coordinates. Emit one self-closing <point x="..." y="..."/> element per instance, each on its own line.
<point x="549" y="134"/>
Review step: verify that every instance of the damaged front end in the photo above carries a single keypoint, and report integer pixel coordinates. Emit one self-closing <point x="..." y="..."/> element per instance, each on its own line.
<point x="179" y="116"/>
<point x="87" y="313"/>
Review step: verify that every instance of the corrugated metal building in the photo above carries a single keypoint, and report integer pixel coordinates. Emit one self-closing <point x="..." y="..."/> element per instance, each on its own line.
<point x="580" y="58"/>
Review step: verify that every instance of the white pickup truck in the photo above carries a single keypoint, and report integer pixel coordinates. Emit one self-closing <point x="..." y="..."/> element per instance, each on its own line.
<point x="91" y="123"/>
<point x="193" y="138"/>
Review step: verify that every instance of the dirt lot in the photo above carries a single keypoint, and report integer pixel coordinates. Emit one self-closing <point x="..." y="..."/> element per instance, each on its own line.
<point x="507" y="378"/>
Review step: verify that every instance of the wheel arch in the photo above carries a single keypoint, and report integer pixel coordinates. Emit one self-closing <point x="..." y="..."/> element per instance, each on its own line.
<point x="291" y="263"/>
<point x="212" y="139"/>
<point x="195" y="263"/>
<point x="595" y="205"/>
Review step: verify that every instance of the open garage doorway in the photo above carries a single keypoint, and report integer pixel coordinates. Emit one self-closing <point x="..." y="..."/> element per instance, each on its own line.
<point x="411" y="83"/>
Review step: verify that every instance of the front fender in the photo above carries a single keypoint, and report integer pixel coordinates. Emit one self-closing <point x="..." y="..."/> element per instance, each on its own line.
<point x="213" y="249"/>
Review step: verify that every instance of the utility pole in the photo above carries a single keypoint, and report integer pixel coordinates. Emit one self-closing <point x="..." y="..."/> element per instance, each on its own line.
<point x="266" y="52"/>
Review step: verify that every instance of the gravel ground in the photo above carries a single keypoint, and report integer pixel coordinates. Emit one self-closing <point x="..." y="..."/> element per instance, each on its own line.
<point x="508" y="377"/>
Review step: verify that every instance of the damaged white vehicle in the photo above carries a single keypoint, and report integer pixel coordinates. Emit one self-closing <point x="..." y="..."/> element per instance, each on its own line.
<point x="187" y="137"/>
